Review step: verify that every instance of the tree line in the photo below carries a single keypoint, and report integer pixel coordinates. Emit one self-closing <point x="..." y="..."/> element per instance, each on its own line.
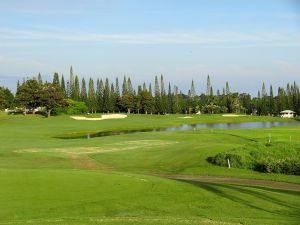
<point x="104" y="96"/>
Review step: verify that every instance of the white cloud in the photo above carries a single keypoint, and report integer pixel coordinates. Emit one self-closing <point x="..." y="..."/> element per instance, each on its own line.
<point x="223" y="39"/>
<point x="17" y="65"/>
<point x="284" y="66"/>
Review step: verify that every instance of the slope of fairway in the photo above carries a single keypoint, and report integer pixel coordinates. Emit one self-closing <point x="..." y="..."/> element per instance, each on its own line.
<point x="189" y="152"/>
<point x="77" y="196"/>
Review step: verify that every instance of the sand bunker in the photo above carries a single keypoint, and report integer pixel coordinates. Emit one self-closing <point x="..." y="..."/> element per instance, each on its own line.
<point x="103" y="117"/>
<point x="185" y="117"/>
<point x="232" y="115"/>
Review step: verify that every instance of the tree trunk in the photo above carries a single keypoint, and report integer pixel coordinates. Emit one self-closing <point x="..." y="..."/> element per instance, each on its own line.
<point x="49" y="112"/>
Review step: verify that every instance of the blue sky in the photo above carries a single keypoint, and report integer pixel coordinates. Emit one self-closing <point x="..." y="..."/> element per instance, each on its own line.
<point x="245" y="42"/>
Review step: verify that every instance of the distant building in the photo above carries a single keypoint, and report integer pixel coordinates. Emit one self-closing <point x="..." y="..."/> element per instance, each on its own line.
<point x="287" y="114"/>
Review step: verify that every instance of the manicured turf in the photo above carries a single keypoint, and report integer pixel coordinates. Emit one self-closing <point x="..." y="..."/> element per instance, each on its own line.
<point x="109" y="180"/>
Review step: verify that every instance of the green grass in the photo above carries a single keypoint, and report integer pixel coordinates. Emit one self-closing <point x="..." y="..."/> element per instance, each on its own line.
<point x="62" y="194"/>
<point x="107" y="180"/>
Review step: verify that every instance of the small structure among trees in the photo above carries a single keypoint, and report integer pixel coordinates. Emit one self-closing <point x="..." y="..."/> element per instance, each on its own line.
<point x="287" y="114"/>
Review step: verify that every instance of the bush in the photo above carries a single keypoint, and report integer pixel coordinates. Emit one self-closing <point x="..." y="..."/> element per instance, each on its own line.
<point x="221" y="160"/>
<point x="267" y="167"/>
<point x="286" y="167"/>
<point x="72" y="107"/>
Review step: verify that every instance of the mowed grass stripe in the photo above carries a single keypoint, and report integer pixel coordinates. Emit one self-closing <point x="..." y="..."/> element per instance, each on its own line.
<point x="50" y="194"/>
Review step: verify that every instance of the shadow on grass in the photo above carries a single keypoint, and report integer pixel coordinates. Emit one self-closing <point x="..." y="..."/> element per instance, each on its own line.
<point x="242" y="137"/>
<point x="220" y="190"/>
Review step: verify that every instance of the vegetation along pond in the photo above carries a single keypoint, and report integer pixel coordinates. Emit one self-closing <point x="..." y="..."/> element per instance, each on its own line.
<point x="244" y="125"/>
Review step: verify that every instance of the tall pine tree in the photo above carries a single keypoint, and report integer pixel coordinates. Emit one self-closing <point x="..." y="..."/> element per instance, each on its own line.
<point x="76" y="94"/>
<point x="91" y="96"/>
<point x="271" y="102"/>
<point x="117" y="91"/>
<point x="112" y="98"/>
<point x="83" y="94"/>
<point x="263" y="100"/>
<point x="40" y="80"/>
<point x="170" y="100"/>
<point x="227" y="88"/>
<point x="63" y="86"/>
<point x="150" y="90"/>
<point x="157" y="96"/>
<point x="55" y="79"/>
<point x="193" y="90"/>
<point x="71" y="84"/>
<point x="163" y="95"/>
<point x="130" y="87"/>
<point x="124" y="87"/>
<point x="144" y="87"/>
<point x="99" y="95"/>
<point x="106" y="95"/>
<point x="208" y="86"/>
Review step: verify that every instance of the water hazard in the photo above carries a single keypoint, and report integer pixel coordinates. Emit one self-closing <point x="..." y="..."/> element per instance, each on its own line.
<point x="243" y="125"/>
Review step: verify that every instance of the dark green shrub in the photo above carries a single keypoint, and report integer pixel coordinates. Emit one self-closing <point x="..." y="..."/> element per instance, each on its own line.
<point x="290" y="167"/>
<point x="286" y="167"/>
<point x="221" y="160"/>
<point x="72" y="107"/>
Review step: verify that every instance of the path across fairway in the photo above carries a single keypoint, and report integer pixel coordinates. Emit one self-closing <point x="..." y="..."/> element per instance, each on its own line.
<point x="233" y="180"/>
<point x="85" y="162"/>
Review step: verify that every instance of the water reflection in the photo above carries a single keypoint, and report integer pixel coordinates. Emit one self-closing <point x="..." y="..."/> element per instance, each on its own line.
<point x="244" y="125"/>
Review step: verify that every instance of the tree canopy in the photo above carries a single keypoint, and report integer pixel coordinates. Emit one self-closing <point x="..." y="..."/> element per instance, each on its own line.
<point x="107" y="96"/>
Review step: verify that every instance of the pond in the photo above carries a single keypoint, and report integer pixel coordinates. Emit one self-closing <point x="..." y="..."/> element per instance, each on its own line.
<point x="243" y="125"/>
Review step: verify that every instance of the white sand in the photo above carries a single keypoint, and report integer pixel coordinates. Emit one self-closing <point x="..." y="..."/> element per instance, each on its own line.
<point x="185" y="117"/>
<point x="232" y="115"/>
<point x="103" y="117"/>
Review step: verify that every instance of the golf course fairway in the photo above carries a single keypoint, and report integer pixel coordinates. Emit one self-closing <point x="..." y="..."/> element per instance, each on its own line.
<point x="160" y="177"/>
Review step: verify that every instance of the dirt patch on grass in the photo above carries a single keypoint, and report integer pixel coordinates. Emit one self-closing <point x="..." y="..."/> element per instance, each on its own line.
<point x="232" y="115"/>
<point x="120" y="220"/>
<point x="116" y="147"/>
<point x="238" y="181"/>
<point x="85" y="162"/>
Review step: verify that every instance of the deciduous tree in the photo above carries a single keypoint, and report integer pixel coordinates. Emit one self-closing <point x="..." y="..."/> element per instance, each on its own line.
<point x="51" y="96"/>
